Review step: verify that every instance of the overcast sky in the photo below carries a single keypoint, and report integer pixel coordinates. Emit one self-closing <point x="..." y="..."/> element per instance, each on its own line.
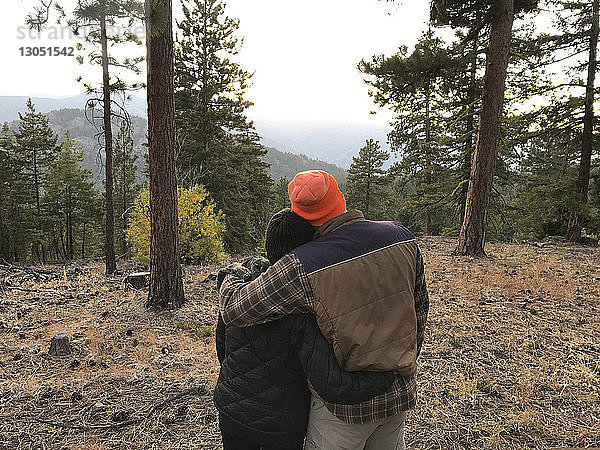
<point x="304" y="54"/>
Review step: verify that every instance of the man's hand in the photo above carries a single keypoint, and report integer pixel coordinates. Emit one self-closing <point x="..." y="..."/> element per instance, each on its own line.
<point x="235" y="269"/>
<point x="249" y="270"/>
<point x="256" y="265"/>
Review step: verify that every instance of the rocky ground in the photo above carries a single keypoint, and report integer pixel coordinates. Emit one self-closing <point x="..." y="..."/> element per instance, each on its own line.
<point x="511" y="358"/>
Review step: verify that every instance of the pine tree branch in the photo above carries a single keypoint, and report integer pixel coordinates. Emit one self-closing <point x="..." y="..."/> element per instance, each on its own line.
<point x="40" y="16"/>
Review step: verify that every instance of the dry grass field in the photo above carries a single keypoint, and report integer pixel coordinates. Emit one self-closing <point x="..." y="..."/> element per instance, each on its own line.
<point x="511" y="358"/>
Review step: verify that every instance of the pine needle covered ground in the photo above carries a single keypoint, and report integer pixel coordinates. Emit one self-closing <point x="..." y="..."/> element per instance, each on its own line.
<point x="511" y="358"/>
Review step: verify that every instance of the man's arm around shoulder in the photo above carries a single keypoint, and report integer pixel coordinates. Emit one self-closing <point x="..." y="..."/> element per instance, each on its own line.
<point x="283" y="289"/>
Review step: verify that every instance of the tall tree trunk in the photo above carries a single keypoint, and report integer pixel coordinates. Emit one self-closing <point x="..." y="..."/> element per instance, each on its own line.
<point x="69" y="237"/>
<point x="166" y="284"/>
<point x="55" y="244"/>
<point x="109" y="243"/>
<point x="36" y="182"/>
<point x="62" y="242"/>
<point x="428" y="172"/>
<point x="583" y="180"/>
<point x="470" y="127"/>
<point x="4" y="237"/>
<point x="368" y="197"/>
<point x="205" y="97"/>
<point x="124" y="213"/>
<point x="68" y="233"/>
<point x="83" y="241"/>
<point x="70" y="226"/>
<point x="472" y="234"/>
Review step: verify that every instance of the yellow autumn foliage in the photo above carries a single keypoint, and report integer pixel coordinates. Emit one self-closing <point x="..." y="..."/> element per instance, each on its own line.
<point x="201" y="227"/>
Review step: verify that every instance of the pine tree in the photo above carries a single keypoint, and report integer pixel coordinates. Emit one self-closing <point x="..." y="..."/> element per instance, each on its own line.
<point x="166" y="278"/>
<point x="463" y="82"/>
<point x="40" y="15"/>
<point x="583" y="179"/>
<point x="413" y="86"/>
<point x="472" y="234"/>
<point x="562" y="67"/>
<point x="9" y="175"/>
<point x="97" y="16"/>
<point x="366" y="179"/>
<point x="126" y="186"/>
<point x="36" y="146"/>
<point x="281" y="198"/>
<point x="594" y="207"/>
<point x="219" y="147"/>
<point x="546" y="174"/>
<point x="499" y="15"/>
<point x="70" y="195"/>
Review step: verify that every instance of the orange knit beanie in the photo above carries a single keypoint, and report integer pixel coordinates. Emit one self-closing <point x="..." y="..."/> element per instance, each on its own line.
<point x="316" y="197"/>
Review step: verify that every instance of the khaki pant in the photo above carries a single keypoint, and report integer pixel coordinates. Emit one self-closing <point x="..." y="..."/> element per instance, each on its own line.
<point x="327" y="432"/>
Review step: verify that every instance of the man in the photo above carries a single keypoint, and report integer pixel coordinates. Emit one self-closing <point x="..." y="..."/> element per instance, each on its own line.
<point x="365" y="283"/>
<point x="262" y="393"/>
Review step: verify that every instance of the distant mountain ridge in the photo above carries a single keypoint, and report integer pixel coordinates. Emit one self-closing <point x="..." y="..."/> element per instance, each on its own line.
<point x="74" y="121"/>
<point x="11" y="106"/>
<point x="283" y="164"/>
<point x="334" y="142"/>
<point x="287" y="165"/>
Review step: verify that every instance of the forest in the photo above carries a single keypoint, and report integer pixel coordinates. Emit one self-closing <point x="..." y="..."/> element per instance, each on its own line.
<point x="545" y="176"/>
<point x="492" y="161"/>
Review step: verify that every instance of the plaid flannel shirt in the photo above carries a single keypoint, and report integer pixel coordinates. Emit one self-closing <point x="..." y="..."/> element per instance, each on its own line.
<point x="285" y="289"/>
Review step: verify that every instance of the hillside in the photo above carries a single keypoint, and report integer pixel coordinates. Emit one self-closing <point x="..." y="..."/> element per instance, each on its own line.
<point x="283" y="164"/>
<point x="85" y="133"/>
<point x="510" y="358"/>
<point x="335" y="142"/>
<point x="11" y="106"/>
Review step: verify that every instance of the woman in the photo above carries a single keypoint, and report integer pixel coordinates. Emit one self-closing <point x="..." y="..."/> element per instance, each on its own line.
<point x="262" y="393"/>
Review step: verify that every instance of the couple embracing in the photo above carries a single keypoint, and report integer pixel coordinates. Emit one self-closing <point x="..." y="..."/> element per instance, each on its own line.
<point x="318" y="345"/>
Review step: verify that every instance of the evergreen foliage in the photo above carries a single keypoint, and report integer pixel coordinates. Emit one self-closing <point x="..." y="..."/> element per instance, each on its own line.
<point x="281" y="198"/>
<point x="12" y="191"/>
<point x="536" y="174"/>
<point x="546" y="178"/>
<point x="126" y="185"/>
<point x="97" y="17"/>
<point x="563" y="127"/>
<point x="98" y="21"/>
<point x="75" y="207"/>
<point x="366" y="180"/>
<point x="219" y="147"/>
<point x="36" y="150"/>
<point x="416" y="88"/>
<point x="473" y="13"/>
<point x="287" y="165"/>
<point x="68" y="221"/>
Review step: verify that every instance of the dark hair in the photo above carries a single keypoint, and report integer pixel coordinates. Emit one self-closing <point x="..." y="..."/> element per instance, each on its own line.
<point x="286" y="231"/>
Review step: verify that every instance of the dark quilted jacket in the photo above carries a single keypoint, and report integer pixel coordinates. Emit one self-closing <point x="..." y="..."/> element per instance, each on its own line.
<point x="262" y="393"/>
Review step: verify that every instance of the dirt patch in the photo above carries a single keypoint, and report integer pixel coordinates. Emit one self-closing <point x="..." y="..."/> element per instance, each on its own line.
<point x="134" y="379"/>
<point x="511" y="357"/>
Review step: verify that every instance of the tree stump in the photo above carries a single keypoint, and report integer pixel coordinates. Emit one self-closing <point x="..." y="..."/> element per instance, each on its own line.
<point x="60" y="345"/>
<point x="138" y="280"/>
